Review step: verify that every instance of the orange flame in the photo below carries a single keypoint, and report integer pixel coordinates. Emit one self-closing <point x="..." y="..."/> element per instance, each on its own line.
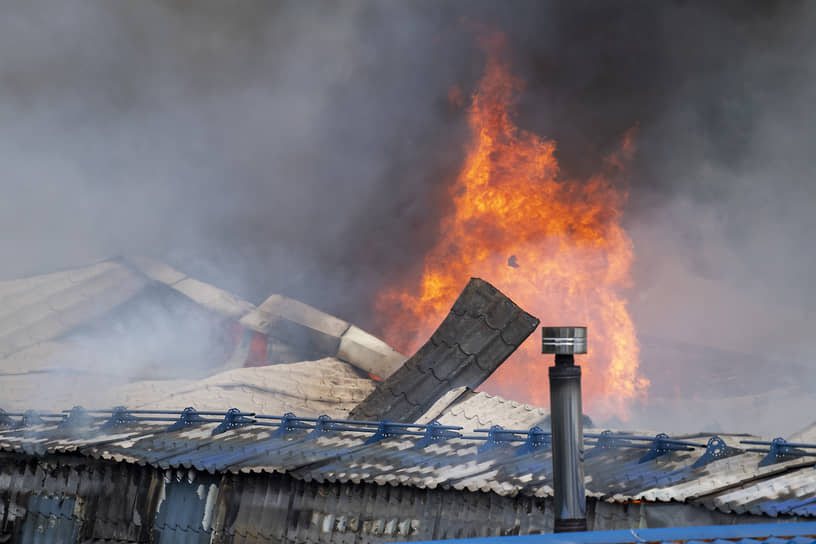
<point x="555" y="247"/>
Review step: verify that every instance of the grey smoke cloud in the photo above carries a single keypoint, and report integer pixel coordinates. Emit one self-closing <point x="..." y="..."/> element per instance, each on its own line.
<point x="301" y="148"/>
<point x="256" y="144"/>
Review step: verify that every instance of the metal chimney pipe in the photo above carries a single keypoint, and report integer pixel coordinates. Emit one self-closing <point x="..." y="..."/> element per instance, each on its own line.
<point x="566" y="417"/>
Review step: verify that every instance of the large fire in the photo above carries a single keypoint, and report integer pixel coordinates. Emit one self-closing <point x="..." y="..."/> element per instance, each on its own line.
<point x="554" y="246"/>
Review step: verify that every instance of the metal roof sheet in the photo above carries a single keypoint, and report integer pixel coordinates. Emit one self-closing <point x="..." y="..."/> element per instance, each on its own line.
<point x="478" y="409"/>
<point x="732" y="484"/>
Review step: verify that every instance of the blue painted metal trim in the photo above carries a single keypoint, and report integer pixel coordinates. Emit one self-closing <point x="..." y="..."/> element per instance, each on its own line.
<point x="436" y="432"/>
<point x="384" y="430"/>
<point x="381" y="430"/>
<point x="324" y="425"/>
<point x="78" y="417"/>
<point x="606" y="441"/>
<point x="536" y="439"/>
<point x="780" y="450"/>
<point x="675" y="534"/>
<point x="119" y="416"/>
<point x="29" y="419"/>
<point x="533" y="439"/>
<point x="189" y="417"/>
<point x="289" y="423"/>
<point x="234" y="419"/>
<point x="663" y="445"/>
<point x="5" y="419"/>
<point x="497" y="437"/>
<point x="715" y="449"/>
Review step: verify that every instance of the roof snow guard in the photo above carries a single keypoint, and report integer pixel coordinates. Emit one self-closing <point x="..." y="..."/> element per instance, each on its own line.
<point x="482" y="329"/>
<point x="508" y="462"/>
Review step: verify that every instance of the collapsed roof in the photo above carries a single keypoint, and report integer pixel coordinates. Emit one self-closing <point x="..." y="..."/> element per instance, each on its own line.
<point x="67" y="322"/>
<point x="135" y="332"/>
<point x="139" y="332"/>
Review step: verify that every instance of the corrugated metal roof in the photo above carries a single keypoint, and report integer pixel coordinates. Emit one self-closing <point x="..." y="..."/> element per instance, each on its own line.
<point x="800" y="533"/>
<point x="473" y="410"/>
<point x="732" y="484"/>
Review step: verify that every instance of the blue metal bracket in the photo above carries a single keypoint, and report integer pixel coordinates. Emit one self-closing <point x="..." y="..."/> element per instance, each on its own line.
<point x="29" y="419"/>
<point x="537" y="438"/>
<point x="5" y="420"/>
<point x="385" y="429"/>
<point x="497" y="437"/>
<point x="119" y="416"/>
<point x="76" y="418"/>
<point x="189" y="417"/>
<point x="435" y="432"/>
<point x="779" y="452"/>
<point x="324" y="425"/>
<point x="234" y="419"/>
<point x="658" y="446"/>
<point x="432" y="432"/>
<point x="289" y="423"/>
<point x="715" y="449"/>
<point x="606" y="440"/>
<point x="662" y="445"/>
<point x="381" y="429"/>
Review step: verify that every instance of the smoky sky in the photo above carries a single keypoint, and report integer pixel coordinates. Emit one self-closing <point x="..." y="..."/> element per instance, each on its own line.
<point x="304" y="148"/>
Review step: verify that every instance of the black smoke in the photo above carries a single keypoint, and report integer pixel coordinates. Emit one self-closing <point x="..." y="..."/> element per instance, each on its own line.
<point x="302" y="147"/>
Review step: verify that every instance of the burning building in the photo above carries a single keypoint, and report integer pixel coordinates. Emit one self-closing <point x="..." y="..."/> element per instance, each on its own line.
<point x="208" y="418"/>
<point x="421" y="455"/>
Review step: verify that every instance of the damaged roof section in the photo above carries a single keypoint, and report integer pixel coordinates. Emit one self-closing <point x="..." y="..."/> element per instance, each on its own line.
<point x="43" y="308"/>
<point x="137" y="331"/>
<point x="319" y="334"/>
<point x="482" y="329"/>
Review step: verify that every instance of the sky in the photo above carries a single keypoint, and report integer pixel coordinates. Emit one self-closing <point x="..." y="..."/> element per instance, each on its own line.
<point x="302" y="148"/>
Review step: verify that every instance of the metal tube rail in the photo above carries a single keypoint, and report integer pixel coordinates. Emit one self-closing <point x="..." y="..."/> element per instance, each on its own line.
<point x="359" y="422"/>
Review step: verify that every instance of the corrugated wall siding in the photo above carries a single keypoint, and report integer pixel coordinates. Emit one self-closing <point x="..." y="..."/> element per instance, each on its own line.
<point x="110" y="501"/>
<point x="278" y="508"/>
<point x="78" y="499"/>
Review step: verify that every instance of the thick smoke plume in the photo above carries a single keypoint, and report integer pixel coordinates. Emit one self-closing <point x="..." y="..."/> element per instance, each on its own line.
<point x="301" y="148"/>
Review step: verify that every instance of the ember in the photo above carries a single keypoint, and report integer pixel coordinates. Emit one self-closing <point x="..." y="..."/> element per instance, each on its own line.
<point x="555" y="246"/>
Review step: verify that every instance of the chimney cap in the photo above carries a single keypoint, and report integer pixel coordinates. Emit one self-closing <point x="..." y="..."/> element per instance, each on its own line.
<point x="563" y="340"/>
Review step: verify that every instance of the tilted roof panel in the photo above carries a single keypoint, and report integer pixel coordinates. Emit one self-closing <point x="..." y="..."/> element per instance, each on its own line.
<point x="482" y="329"/>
